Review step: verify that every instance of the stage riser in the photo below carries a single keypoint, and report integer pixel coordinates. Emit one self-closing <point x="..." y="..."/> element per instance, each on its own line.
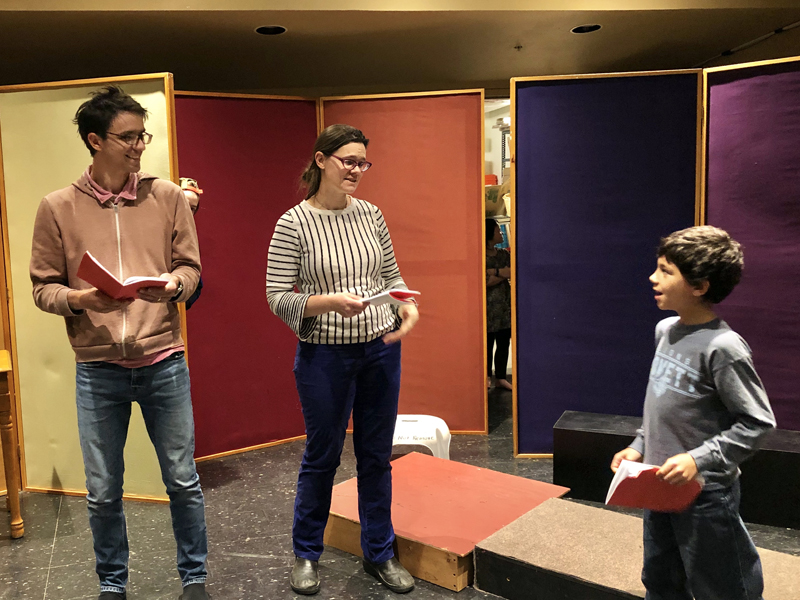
<point x="585" y="443"/>
<point x="516" y="580"/>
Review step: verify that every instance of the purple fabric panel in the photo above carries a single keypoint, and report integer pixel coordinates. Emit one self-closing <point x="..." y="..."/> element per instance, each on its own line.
<point x="605" y="167"/>
<point x="754" y="193"/>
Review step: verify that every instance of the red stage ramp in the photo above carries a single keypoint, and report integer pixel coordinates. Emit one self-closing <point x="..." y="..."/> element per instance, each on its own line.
<point x="440" y="510"/>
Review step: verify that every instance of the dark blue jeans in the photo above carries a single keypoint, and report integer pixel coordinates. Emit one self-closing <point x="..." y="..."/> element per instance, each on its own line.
<point x="333" y="380"/>
<point x="105" y="393"/>
<point x="704" y="553"/>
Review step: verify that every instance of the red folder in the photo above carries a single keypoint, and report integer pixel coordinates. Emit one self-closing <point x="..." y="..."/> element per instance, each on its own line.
<point x="635" y="485"/>
<point x="93" y="273"/>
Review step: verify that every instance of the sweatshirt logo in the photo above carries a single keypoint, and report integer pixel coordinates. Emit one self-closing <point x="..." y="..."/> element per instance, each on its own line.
<point x="670" y="372"/>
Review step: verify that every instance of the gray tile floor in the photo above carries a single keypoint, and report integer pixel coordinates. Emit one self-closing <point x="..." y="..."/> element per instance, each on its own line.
<point x="249" y="512"/>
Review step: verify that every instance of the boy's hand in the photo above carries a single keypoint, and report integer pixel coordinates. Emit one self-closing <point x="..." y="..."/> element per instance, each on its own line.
<point x="627" y="454"/>
<point x="678" y="470"/>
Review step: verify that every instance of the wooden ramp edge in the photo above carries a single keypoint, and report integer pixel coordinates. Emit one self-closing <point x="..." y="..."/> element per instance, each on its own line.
<point x="429" y="563"/>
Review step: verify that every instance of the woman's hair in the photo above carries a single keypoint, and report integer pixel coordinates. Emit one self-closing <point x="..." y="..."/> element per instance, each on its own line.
<point x="328" y="142"/>
<point x="96" y="114"/>
<point x="491" y="225"/>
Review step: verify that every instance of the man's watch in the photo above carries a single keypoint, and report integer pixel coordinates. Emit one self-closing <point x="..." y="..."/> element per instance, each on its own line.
<point x="178" y="292"/>
<point x="496" y="272"/>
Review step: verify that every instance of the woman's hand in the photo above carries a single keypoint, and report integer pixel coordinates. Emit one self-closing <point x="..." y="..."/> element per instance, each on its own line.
<point x="410" y="315"/>
<point x="346" y="304"/>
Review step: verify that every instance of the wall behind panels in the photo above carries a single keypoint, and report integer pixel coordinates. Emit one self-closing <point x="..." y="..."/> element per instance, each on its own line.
<point x="43" y="152"/>
<point x="428" y="182"/>
<point x="605" y="166"/>
<point x="247" y="155"/>
<point x="754" y="194"/>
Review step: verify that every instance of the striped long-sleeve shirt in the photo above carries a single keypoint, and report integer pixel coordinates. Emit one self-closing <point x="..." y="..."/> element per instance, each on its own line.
<point x="328" y="252"/>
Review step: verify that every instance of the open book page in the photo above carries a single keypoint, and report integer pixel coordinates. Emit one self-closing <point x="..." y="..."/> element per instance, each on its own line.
<point x="396" y="297"/>
<point x="93" y="273"/>
<point x="636" y="485"/>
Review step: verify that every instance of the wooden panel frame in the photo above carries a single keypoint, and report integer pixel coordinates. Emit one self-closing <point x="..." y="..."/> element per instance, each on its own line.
<point x="703" y="209"/>
<point x="482" y="92"/>
<point x="700" y="190"/>
<point x="7" y="295"/>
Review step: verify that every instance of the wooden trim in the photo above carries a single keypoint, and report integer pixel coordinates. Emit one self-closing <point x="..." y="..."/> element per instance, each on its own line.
<point x="248" y="449"/>
<point x="513" y="225"/>
<point x="175" y="176"/>
<point x="242" y="96"/>
<point x="324" y="99"/>
<point x="758" y="63"/>
<point x="702" y="149"/>
<point x="9" y="324"/>
<point x="172" y="124"/>
<point x="533" y="456"/>
<point x="484" y="316"/>
<point x="320" y="116"/>
<point x="516" y="80"/>
<point x="82" y="494"/>
<point x="27" y="87"/>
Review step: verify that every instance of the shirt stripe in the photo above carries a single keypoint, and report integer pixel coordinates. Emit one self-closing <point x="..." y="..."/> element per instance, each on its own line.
<point x="317" y="252"/>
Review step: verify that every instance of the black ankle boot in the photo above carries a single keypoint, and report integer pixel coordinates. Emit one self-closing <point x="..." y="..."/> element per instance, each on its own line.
<point x="305" y="576"/>
<point x="391" y="574"/>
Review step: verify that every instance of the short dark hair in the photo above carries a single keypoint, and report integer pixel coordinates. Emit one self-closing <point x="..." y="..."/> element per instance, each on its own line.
<point x="491" y="225"/>
<point x="96" y="114"/>
<point x="705" y="253"/>
<point x="329" y="141"/>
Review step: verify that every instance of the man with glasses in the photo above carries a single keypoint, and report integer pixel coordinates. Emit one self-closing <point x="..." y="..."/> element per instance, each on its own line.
<point x="130" y="349"/>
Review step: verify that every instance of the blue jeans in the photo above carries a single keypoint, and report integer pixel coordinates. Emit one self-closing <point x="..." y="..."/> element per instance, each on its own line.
<point x="704" y="553"/>
<point x="104" y="394"/>
<point x="333" y="380"/>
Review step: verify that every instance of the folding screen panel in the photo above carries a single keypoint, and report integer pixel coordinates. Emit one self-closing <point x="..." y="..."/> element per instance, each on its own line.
<point x="42" y="152"/>
<point x="754" y="193"/>
<point x="247" y="154"/>
<point x="428" y="181"/>
<point x="604" y="166"/>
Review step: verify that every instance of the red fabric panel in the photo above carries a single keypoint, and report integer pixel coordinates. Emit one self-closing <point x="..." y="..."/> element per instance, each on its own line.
<point x="247" y="155"/>
<point x="427" y="181"/>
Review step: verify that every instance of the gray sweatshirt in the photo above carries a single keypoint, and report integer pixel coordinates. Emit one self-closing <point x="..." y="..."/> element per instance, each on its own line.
<point x="705" y="398"/>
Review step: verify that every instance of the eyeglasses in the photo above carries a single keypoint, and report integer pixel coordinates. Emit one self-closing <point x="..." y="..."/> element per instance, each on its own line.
<point x="132" y="138"/>
<point x="350" y="164"/>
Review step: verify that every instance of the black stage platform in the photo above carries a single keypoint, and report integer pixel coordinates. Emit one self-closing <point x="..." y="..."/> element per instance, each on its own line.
<point x="563" y="550"/>
<point x="584" y="444"/>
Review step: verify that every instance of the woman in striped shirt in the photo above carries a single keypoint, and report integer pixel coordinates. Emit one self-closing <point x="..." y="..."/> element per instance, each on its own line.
<point x="335" y="250"/>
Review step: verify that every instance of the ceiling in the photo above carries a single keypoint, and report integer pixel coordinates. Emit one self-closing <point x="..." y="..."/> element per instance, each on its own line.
<point x="367" y="51"/>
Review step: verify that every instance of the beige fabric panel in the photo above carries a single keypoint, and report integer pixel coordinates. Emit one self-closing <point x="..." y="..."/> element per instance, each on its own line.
<point x="42" y="152"/>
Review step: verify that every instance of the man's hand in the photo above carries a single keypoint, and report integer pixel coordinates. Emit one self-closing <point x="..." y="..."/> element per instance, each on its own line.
<point x="94" y="299"/>
<point x="678" y="470"/>
<point x="410" y="315"/>
<point x="627" y="454"/>
<point x="160" y="294"/>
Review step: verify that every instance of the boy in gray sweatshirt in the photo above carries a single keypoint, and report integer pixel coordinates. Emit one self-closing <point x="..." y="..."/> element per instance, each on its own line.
<point x="705" y="411"/>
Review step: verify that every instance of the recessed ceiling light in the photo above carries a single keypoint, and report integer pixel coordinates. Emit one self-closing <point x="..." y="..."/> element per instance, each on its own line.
<point x="271" y="30"/>
<point x="585" y="28"/>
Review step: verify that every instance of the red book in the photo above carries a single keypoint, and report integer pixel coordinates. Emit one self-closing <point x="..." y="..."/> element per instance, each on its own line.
<point x="397" y="297"/>
<point x="93" y="273"/>
<point x="636" y="485"/>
